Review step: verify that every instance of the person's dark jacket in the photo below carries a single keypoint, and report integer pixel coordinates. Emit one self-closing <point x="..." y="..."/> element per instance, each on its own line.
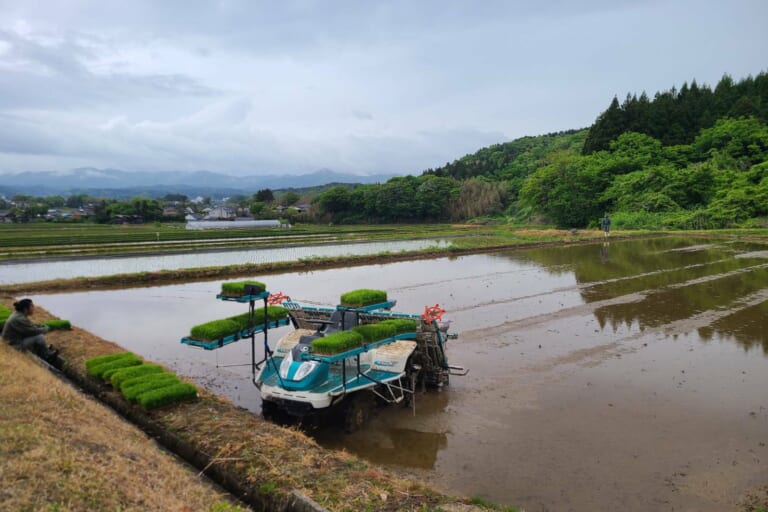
<point x="19" y="326"/>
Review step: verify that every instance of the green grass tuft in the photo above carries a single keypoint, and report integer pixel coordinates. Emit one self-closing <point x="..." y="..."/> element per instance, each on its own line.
<point x="133" y="388"/>
<point x="337" y="342"/>
<point x="124" y="374"/>
<point x="237" y="288"/>
<point x="485" y="504"/>
<point x="167" y="395"/>
<point x="375" y="332"/>
<point x="363" y="297"/>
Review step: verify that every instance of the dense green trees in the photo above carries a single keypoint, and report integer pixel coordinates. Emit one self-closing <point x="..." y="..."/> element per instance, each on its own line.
<point x="264" y="196"/>
<point x="401" y="199"/>
<point x="718" y="180"/>
<point x="142" y="208"/>
<point x="676" y="117"/>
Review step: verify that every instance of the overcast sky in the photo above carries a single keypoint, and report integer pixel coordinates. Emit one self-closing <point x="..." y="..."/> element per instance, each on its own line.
<point x="361" y="86"/>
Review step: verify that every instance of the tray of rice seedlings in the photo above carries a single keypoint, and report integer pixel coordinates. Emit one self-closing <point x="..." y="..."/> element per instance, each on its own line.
<point x="363" y="297"/>
<point x="273" y="313"/>
<point x="101" y="366"/>
<point x="4" y="314"/>
<point x="337" y="342"/>
<point x="217" y="333"/>
<point x="375" y="332"/>
<point x="95" y="361"/>
<point x="133" y="388"/>
<point x="401" y="325"/>
<point x="167" y="395"/>
<point x="214" y="329"/>
<point x="130" y="372"/>
<point x="243" y="290"/>
<point x="58" y="325"/>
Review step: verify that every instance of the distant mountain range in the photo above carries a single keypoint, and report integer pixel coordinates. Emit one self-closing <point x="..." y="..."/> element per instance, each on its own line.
<point x="121" y="184"/>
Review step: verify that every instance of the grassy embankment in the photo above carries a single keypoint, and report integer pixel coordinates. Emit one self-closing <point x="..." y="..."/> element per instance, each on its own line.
<point x="63" y="460"/>
<point x="61" y="450"/>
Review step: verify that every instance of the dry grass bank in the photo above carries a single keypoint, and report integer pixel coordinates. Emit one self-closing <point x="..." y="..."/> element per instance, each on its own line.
<point x="61" y="450"/>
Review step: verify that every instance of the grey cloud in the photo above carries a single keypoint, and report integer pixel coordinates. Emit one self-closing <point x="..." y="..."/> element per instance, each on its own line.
<point x="291" y="86"/>
<point x="362" y="116"/>
<point x="53" y="75"/>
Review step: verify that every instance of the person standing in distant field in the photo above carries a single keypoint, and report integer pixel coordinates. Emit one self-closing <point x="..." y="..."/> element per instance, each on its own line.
<point x="21" y="333"/>
<point x="606" y="224"/>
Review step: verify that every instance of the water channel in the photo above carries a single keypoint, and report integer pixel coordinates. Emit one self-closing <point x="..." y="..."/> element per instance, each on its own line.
<point x="627" y="375"/>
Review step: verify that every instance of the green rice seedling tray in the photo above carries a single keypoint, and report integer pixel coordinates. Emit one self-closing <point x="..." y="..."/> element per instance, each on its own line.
<point x="107" y="368"/>
<point x="333" y="358"/>
<point x="95" y="361"/>
<point x="122" y="375"/>
<point x="147" y="383"/>
<point x="243" y="298"/>
<point x="402" y="324"/>
<point x="236" y="291"/>
<point x="58" y="325"/>
<point x="375" y="332"/>
<point x="239" y="335"/>
<point x="363" y="297"/>
<point x="337" y="342"/>
<point x="167" y="395"/>
<point x="4" y="314"/>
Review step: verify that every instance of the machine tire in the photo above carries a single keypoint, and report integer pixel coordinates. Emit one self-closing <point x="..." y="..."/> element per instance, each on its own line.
<point x="270" y="411"/>
<point x="358" y="411"/>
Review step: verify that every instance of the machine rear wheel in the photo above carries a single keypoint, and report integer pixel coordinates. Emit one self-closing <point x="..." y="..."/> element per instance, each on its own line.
<point x="358" y="411"/>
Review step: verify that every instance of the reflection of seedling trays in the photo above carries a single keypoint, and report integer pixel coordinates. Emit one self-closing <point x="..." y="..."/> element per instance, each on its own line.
<point x="243" y="291"/>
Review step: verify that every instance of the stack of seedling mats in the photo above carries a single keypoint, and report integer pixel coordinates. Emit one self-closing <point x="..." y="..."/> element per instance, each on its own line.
<point x="146" y="384"/>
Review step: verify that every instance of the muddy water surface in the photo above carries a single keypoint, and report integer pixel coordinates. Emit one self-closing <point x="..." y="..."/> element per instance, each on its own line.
<point x="623" y="376"/>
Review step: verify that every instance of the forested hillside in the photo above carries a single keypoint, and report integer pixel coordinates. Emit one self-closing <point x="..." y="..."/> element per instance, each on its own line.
<point x="693" y="158"/>
<point x="676" y="117"/>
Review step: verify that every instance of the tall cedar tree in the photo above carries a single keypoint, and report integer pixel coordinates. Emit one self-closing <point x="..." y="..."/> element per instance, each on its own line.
<point x="676" y="117"/>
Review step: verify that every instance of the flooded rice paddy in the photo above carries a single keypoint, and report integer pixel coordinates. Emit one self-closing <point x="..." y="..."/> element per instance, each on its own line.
<point x="67" y="268"/>
<point x="628" y="375"/>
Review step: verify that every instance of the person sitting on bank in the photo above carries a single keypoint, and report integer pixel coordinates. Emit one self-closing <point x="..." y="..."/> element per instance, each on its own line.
<point x="21" y="333"/>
